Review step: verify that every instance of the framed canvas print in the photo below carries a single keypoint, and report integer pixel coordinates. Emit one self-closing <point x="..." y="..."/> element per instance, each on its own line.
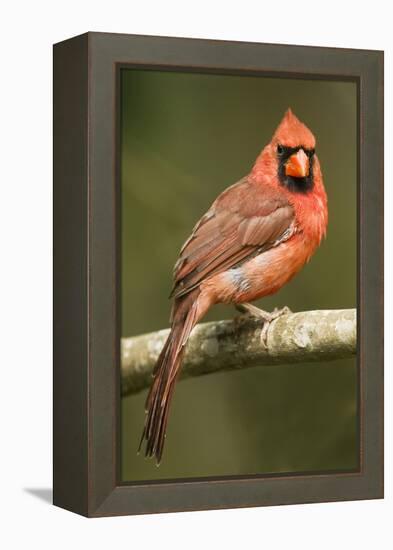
<point x="244" y="182"/>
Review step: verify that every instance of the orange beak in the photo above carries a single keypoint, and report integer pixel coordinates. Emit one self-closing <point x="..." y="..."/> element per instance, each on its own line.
<point x="298" y="165"/>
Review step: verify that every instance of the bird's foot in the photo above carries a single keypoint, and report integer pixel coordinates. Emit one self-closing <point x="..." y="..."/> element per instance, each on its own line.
<point x="265" y="316"/>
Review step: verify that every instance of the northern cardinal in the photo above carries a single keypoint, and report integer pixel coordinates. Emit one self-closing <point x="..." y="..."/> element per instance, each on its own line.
<point x="254" y="238"/>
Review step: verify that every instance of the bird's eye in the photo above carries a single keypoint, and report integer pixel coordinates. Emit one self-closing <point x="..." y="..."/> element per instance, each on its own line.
<point x="312" y="152"/>
<point x="280" y="149"/>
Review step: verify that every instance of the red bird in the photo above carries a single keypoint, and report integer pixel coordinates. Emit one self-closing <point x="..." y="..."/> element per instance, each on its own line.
<point x="254" y="238"/>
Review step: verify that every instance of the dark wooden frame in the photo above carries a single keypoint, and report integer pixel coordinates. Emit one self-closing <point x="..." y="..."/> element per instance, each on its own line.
<point x="86" y="254"/>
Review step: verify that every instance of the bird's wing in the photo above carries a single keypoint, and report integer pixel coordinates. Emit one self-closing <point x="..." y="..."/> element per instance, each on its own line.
<point x="244" y="221"/>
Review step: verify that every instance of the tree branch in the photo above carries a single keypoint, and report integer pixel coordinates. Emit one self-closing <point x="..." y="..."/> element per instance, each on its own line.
<point x="308" y="336"/>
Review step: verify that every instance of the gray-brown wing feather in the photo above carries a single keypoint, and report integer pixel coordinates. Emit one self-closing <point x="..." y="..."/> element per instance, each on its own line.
<point x="242" y="222"/>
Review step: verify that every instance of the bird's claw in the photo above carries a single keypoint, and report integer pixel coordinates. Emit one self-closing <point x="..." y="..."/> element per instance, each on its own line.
<point x="265" y="316"/>
<point x="277" y="312"/>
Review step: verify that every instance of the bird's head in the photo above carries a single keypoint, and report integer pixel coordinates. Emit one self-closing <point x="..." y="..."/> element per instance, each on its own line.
<point x="290" y="156"/>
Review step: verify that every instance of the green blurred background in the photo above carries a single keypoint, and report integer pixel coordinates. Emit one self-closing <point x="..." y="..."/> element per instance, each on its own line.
<point x="185" y="138"/>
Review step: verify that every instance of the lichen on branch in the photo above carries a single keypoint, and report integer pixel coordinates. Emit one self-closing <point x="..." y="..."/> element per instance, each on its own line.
<point x="308" y="336"/>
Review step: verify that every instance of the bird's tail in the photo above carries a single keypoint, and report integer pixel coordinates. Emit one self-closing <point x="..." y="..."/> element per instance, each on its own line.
<point x="184" y="318"/>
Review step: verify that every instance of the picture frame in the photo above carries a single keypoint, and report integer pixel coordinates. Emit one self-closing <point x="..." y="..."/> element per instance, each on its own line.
<point x="86" y="386"/>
